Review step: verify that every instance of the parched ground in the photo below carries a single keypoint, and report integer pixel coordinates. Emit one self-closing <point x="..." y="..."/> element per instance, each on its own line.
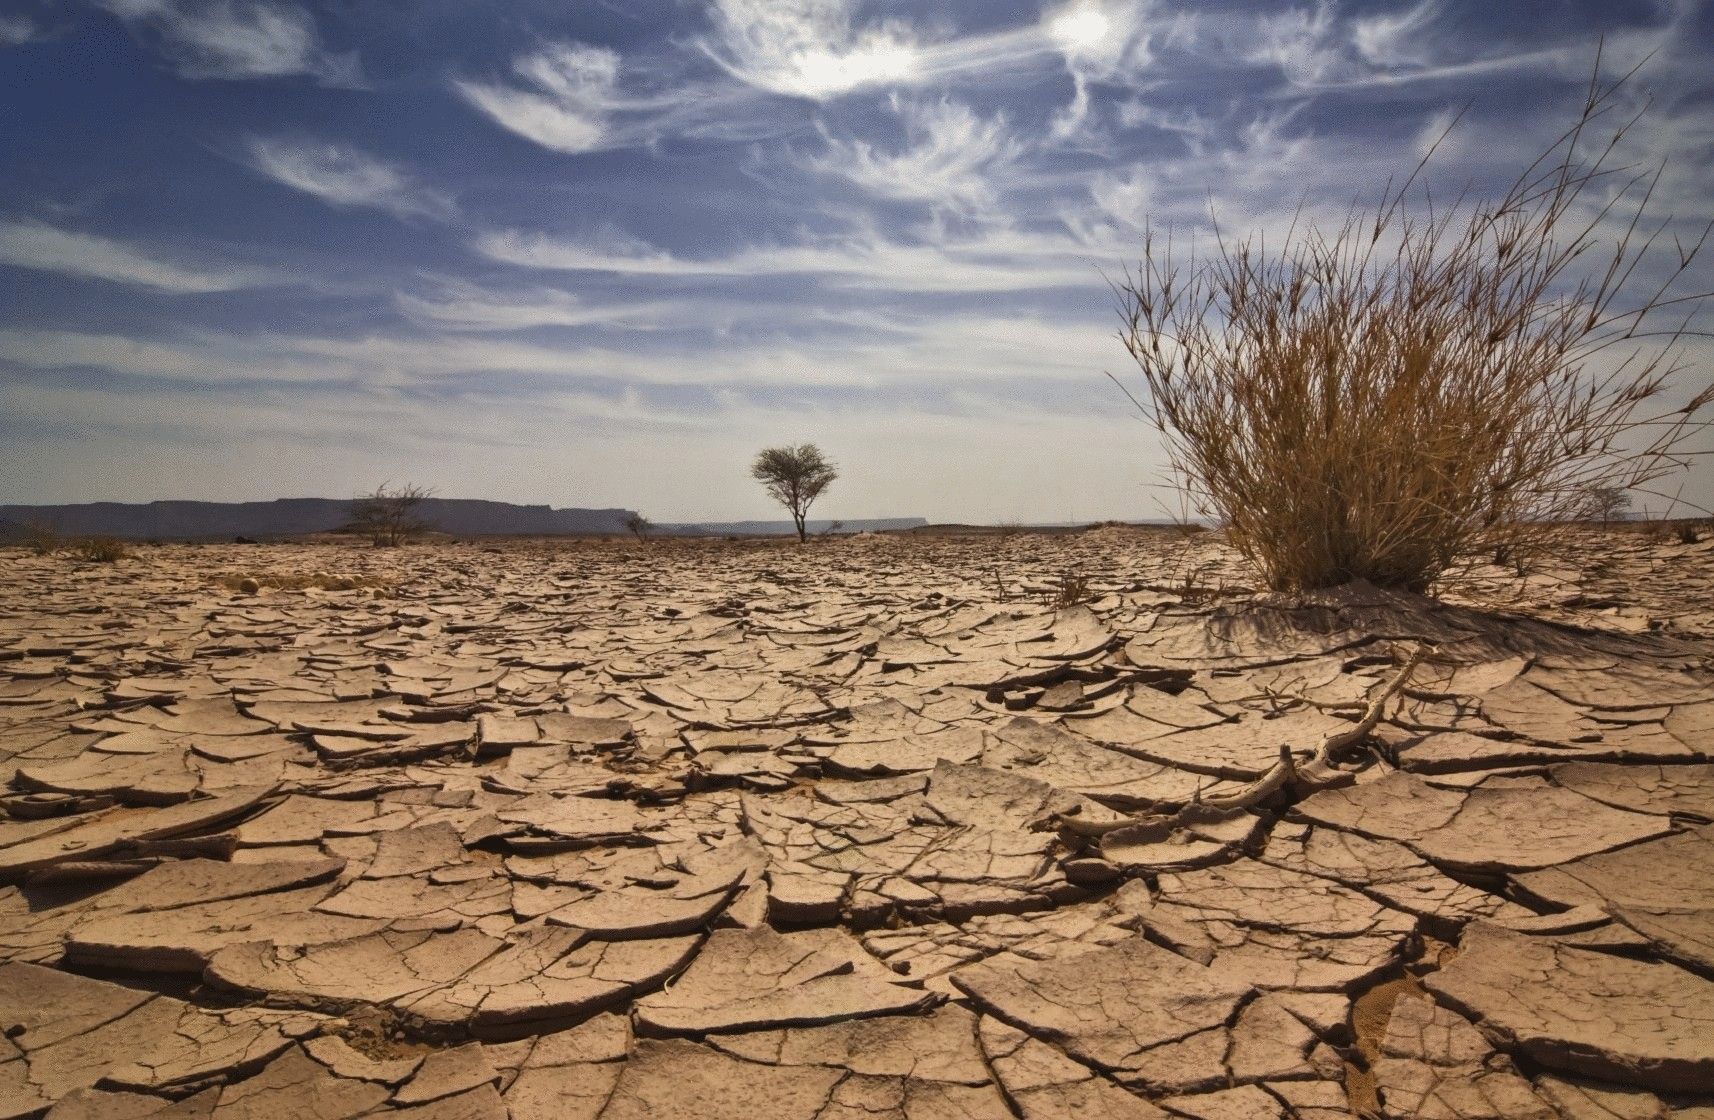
<point x="879" y="827"/>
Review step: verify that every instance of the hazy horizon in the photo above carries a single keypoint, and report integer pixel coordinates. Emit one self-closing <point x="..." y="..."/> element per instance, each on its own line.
<point x="598" y="257"/>
<point x="816" y="519"/>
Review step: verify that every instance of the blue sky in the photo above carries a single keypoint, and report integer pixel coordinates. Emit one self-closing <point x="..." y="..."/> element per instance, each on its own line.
<point x="598" y="253"/>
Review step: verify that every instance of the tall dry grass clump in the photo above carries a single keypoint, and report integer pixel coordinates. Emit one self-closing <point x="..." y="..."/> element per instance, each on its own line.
<point x="1424" y="383"/>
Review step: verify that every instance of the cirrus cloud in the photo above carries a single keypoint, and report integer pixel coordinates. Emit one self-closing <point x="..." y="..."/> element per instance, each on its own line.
<point x="568" y="90"/>
<point x="809" y="48"/>
<point x="44" y="248"/>
<point x="952" y="157"/>
<point x="237" y="39"/>
<point x="342" y="176"/>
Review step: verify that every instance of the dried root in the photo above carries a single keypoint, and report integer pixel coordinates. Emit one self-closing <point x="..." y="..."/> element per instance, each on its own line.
<point x="1319" y="771"/>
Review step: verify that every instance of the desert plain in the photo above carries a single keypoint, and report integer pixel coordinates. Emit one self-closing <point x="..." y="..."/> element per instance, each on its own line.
<point x="918" y="825"/>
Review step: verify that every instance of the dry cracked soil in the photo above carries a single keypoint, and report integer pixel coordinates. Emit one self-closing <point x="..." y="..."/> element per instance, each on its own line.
<point x="884" y="826"/>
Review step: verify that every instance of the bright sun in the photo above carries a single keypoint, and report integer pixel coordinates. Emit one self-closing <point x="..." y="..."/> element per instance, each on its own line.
<point x="1081" y="27"/>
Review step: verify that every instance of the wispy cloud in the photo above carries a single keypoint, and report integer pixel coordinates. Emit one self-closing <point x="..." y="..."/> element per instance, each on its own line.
<point x="819" y="50"/>
<point x="1126" y="198"/>
<point x="1325" y="46"/>
<point x="928" y="352"/>
<point x="16" y="29"/>
<point x="1258" y="172"/>
<point x="993" y="262"/>
<point x="462" y="306"/>
<point x="238" y="39"/>
<point x="809" y="48"/>
<point x="342" y="176"/>
<point x="37" y="245"/>
<point x="1397" y="38"/>
<point x="1100" y="41"/>
<point x="950" y="160"/>
<point x="568" y="91"/>
<point x="572" y="97"/>
<point x="1301" y="42"/>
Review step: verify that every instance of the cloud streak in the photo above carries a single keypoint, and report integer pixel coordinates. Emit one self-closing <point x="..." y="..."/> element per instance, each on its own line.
<point x="17" y="29"/>
<point x="566" y="94"/>
<point x="41" y="247"/>
<point x="461" y="306"/>
<point x="344" y="177"/>
<point x="926" y="352"/>
<point x="237" y="39"/>
<point x="808" y="48"/>
<point x="992" y="262"/>
<point x="951" y="160"/>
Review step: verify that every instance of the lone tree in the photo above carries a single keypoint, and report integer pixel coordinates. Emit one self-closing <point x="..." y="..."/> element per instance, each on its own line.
<point x="1426" y="382"/>
<point x="1606" y="504"/>
<point x="795" y="478"/>
<point x="639" y="525"/>
<point x="388" y="515"/>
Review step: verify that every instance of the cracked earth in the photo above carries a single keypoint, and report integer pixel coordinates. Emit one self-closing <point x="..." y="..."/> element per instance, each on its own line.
<point x="886" y="826"/>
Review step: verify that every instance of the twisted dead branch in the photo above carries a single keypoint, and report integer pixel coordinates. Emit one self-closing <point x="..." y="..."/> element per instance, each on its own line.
<point x="1318" y="771"/>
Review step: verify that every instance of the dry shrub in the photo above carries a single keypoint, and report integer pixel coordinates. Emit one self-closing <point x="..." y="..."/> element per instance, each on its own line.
<point x="1417" y="387"/>
<point x="42" y="539"/>
<point x="98" y="550"/>
<point x="388" y="514"/>
<point x="1070" y="589"/>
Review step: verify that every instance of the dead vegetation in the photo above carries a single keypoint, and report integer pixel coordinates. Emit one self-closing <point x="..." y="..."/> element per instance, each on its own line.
<point x="1296" y="775"/>
<point x="1070" y="589"/>
<point x="44" y="540"/>
<point x="1686" y="532"/>
<point x="389" y="515"/>
<point x="97" y="550"/>
<point x="1678" y="530"/>
<point x="1423" y="385"/>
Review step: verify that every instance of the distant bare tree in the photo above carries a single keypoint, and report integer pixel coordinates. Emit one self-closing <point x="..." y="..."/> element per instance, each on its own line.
<point x="1606" y="504"/>
<point x="388" y="515"/>
<point x="795" y="478"/>
<point x="639" y="525"/>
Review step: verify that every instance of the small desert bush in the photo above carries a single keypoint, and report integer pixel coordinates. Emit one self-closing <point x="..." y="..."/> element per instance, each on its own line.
<point x="42" y="540"/>
<point x="1421" y="385"/>
<point x="1070" y="589"/>
<point x="98" y="550"/>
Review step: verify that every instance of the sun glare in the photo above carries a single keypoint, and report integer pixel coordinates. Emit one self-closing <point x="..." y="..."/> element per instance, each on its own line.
<point x="823" y="73"/>
<point x="1082" y="26"/>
